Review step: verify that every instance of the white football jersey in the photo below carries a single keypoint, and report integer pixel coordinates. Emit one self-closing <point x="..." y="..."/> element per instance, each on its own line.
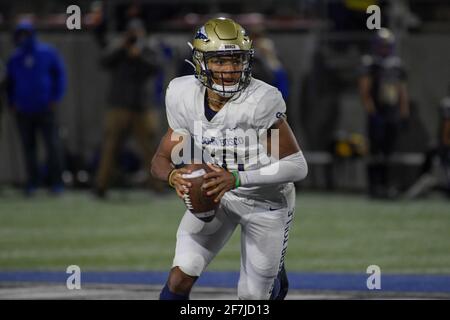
<point x="232" y="138"/>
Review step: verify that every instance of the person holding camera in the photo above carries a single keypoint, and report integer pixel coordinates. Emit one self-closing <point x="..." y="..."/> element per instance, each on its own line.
<point x="131" y="64"/>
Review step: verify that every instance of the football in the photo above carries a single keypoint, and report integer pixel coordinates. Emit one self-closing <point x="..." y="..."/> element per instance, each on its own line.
<point x="196" y="201"/>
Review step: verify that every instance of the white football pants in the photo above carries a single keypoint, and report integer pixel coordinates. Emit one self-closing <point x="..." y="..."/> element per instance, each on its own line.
<point x="265" y="231"/>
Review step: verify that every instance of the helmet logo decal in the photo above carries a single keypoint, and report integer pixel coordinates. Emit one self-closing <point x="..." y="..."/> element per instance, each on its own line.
<point x="201" y="34"/>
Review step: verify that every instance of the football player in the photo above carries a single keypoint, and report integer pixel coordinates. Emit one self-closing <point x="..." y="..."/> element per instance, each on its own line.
<point x="255" y="190"/>
<point x="384" y="94"/>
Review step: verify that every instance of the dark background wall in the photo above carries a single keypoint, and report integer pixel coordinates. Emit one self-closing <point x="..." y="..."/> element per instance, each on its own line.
<point x="321" y="54"/>
<point x="323" y="88"/>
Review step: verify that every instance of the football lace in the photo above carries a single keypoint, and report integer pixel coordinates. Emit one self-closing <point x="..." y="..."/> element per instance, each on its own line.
<point x="187" y="201"/>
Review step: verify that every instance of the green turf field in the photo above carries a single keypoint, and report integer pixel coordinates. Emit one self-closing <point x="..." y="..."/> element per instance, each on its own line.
<point x="136" y="231"/>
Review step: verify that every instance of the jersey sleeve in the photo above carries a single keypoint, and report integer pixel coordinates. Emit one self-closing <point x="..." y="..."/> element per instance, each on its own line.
<point x="270" y="108"/>
<point x="173" y="111"/>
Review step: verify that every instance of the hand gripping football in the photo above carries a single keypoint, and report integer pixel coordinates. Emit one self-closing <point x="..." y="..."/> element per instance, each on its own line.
<point x="196" y="200"/>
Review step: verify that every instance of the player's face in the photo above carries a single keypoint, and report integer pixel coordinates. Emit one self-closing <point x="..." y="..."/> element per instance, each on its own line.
<point x="226" y="70"/>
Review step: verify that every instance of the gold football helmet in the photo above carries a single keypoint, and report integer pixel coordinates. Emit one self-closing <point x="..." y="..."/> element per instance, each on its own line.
<point x="218" y="42"/>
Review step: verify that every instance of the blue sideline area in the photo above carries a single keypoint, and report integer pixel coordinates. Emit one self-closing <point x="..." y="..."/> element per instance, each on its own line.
<point x="299" y="281"/>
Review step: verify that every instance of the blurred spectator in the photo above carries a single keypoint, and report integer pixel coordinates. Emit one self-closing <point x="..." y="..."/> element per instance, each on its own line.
<point x="169" y="64"/>
<point x="435" y="172"/>
<point x="131" y="63"/>
<point x="384" y="95"/>
<point x="2" y="88"/>
<point x="266" y="63"/>
<point x="126" y="12"/>
<point x="167" y="71"/>
<point x="99" y="22"/>
<point x="2" y="91"/>
<point x="36" y="83"/>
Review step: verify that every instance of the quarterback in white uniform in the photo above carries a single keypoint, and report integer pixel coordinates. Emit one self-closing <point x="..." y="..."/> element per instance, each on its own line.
<point x="238" y="125"/>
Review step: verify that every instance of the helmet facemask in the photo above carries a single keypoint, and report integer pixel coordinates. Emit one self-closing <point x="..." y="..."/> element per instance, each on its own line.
<point x="225" y="83"/>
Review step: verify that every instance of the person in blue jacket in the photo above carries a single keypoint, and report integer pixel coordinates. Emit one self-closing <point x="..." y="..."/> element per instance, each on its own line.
<point x="36" y="83"/>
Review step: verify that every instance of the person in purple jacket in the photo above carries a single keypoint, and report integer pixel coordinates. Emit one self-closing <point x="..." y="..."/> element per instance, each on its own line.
<point x="36" y="82"/>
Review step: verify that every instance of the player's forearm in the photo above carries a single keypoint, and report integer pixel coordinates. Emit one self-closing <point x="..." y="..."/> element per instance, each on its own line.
<point x="161" y="167"/>
<point x="289" y="169"/>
